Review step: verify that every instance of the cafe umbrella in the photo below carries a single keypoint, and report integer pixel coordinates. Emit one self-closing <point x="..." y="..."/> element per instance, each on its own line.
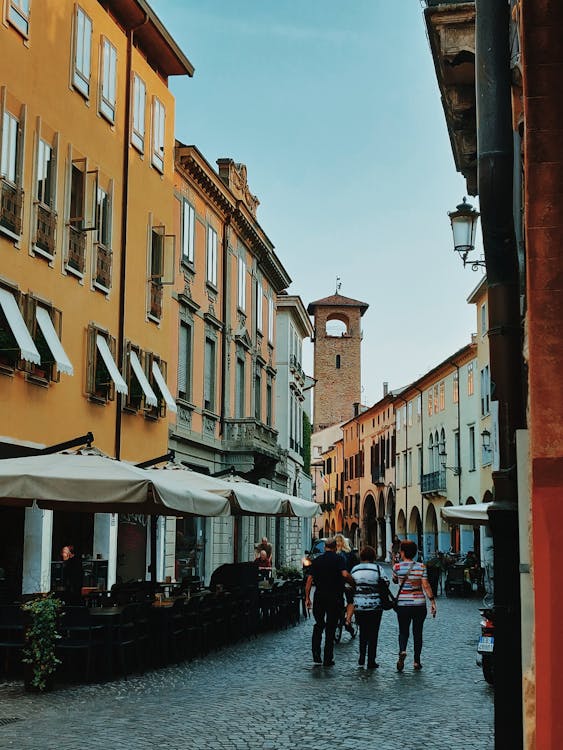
<point x="245" y="498"/>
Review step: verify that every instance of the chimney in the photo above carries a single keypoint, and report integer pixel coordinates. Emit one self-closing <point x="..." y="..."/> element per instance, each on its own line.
<point x="385" y="388"/>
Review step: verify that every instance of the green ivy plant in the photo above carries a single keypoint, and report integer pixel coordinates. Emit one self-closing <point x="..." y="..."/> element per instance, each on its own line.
<point x="40" y="638"/>
<point x="287" y="572"/>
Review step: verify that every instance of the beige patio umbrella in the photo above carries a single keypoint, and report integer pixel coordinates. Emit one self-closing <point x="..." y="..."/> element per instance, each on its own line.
<point x="245" y="498"/>
<point x="95" y="483"/>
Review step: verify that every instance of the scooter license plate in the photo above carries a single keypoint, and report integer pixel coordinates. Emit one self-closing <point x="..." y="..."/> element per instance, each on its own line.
<point x="486" y="644"/>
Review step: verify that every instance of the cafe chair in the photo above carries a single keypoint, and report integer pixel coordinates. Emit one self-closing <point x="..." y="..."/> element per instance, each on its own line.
<point x="124" y="640"/>
<point x="12" y="634"/>
<point x="79" y="635"/>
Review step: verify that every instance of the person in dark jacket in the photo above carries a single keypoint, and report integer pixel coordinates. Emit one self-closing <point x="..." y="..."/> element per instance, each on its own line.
<point x="72" y="576"/>
<point x="328" y="574"/>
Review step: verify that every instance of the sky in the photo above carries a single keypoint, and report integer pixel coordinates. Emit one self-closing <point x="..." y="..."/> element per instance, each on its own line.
<point x="335" y="110"/>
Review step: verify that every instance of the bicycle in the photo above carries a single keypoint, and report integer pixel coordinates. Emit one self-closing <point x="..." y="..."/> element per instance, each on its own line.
<point x="341" y="625"/>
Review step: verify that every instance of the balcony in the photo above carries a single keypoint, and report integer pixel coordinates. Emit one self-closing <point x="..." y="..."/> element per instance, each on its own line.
<point x="248" y="435"/>
<point x="76" y="256"/>
<point x="45" y="226"/>
<point x="378" y="474"/>
<point x="11" y="204"/>
<point x="433" y="483"/>
<point x="103" y="266"/>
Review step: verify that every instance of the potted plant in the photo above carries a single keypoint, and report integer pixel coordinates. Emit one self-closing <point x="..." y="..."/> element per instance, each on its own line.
<point x="41" y="636"/>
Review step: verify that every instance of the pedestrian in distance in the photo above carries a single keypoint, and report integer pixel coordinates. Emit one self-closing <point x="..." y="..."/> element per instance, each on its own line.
<point x="350" y="559"/>
<point x="411" y="603"/>
<point x="367" y="605"/>
<point x="328" y="574"/>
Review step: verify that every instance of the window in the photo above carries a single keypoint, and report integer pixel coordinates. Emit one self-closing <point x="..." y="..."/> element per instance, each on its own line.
<point x="470" y="383"/>
<point x="188" y="232"/>
<point x="83" y="203"/>
<point x="82" y="49"/>
<point x="209" y="376"/>
<point x="442" y="396"/>
<point x="158" y="120"/>
<point x="430" y="403"/>
<point x="485" y="391"/>
<point x="398" y="471"/>
<point x="18" y="15"/>
<point x="420" y="467"/>
<point x="271" y="320"/>
<point x="456" y="388"/>
<point x="418" y="408"/>
<point x="409" y="467"/>
<point x="211" y="256"/>
<point x="185" y="362"/>
<point x="139" y="102"/>
<point x="140" y="392"/>
<point x="338" y="361"/>
<point x="45" y="323"/>
<point x="108" y="78"/>
<point x="269" y="403"/>
<point x="431" y="454"/>
<point x="472" y="448"/>
<point x="103" y="377"/>
<point x="11" y="148"/>
<point x="45" y="184"/>
<point x="398" y="418"/>
<point x="239" y="387"/>
<point x="259" y="310"/>
<point x="161" y="267"/>
<point x="436" y="399"/>
<point x="409" y="414"/>
<point x="258" y="396"/>
<point x="484" y="321"/>
<point x="103" y="250"/>
<point x="457" y="451"/>
<point x="241" y="284"/>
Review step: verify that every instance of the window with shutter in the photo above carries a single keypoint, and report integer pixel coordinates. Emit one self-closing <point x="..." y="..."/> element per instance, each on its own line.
<point x="108" y="80"/>
<point x="185" y="362"/>
<point x="188" y="232"/>
<point x="209" y="376"/>
<point x="139" y="103"/>
<point x="82" y="49"/>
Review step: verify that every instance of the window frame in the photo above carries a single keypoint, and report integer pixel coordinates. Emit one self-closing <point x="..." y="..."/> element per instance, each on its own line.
<point x="158" y="134"/>
<point x="211" y="256"/>
<point x="21" y="15"/>
<point x="186" y="393"/>
<point x="108" y="79"/>
<point x="81" y="77"/>
<point x="259" y="306"/>
<point x="241" y="291"/>
<point x="209" y="373"/>
<point x="188" y="238"/>
<point x="139" y="113"/>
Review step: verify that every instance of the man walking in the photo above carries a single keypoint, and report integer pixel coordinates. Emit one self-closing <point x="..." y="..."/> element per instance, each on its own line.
<point x="328" y="574"/>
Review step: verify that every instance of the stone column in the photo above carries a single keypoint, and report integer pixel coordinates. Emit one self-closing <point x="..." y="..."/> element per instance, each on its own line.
<point x="37" y="553"/>
<point x="378" y="526"/>
<point x="388" y="539"/>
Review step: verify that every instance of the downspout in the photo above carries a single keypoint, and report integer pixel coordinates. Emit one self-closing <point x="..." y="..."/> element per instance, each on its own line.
<point x="405" y="470"/>
<point x="225" y="331"/>
<point x="495" y="179"/>
<point x="124" y="209"/>
<point x="458" y="458"/>
<point x="420" y="468"/>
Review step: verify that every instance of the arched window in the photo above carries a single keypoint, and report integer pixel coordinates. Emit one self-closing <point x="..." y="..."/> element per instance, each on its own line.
<point x="338" y="361"/>
<point x="443" y="445"/>
<point x="437" y="459"/>
<point x="431" y="453"/>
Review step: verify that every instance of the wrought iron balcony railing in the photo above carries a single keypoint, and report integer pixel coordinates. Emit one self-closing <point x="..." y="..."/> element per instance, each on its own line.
<point x="434" y="482"/>
<point x="76" y="255"/>
<point x="103" y="266"/>
<point x="11" y="205"/>
<point x="45" y="227"/>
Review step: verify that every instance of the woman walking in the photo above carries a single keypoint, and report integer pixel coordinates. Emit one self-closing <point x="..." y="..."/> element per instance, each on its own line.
<point x="411" y="608"/>
<point x="367" y="605"/>
<point x="344" y="550"/>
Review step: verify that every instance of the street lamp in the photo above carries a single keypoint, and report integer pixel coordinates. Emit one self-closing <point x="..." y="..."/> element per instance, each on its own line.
<point x="464" y="226"/>
<point x="455" y="469"/>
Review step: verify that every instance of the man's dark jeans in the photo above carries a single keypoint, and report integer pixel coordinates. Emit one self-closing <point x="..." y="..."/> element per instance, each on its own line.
<point x="415" y="614"/>
<point x="326" y="611"/>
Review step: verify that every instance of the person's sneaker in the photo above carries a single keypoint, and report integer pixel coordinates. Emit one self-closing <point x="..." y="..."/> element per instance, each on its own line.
<point x="401" y="661"/>
<point x="417" y="665"/>
<point x="373" y="665"/>
<point x="328" y="664"/>
<point x="317" y="659"/>
<point x="361" y="661"/>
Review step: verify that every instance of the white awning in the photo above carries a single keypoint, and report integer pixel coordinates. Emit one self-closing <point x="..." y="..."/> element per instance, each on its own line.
<point x="150" y="395"/>
<point x="28" y="350"/>
<point x="48" y="329"/>
<point x="103" y="348"/>
<point x="166" y="395"/>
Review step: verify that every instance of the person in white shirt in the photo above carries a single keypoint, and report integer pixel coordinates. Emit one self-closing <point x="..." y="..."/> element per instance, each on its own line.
<point x="367" y="605"/>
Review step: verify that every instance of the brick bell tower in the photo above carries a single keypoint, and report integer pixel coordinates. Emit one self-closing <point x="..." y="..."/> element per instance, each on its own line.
<point x="337" y="358"/>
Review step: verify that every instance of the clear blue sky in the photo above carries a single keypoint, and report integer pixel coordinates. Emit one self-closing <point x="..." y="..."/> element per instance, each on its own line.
<point x="334" y="108"/>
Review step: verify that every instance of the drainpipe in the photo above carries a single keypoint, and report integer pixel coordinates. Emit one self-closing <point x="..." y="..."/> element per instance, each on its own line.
<point x="495" y="174"/>
<point x="225" y="338"/>
<point x="459" y="433"/>
<point x="420" y="468"/>
<point x="124" y="202"/>
<point x="405" y="470"/>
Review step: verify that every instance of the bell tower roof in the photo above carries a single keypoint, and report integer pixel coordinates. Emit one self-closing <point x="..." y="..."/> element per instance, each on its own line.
<point x="337" y="300"/>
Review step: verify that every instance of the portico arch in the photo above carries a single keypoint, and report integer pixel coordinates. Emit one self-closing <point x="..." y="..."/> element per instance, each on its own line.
<point x="431" y="530"/>
<point x="401" y="524"/>
<point x="415" y="527"/>
<point x="369" y="522"/>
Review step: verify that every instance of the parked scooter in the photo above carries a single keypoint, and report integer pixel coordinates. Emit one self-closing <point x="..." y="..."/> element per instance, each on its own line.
<point x="486" y="645"/>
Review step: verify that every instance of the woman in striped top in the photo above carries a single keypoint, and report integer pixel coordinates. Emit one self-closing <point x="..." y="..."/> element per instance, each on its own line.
<point x="412" y="601"/>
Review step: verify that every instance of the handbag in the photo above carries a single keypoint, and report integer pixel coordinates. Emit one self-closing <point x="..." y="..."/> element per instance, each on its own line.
<point x="386" y="598"/>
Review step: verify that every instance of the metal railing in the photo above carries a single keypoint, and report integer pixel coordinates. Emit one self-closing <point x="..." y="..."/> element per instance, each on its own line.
<point x="434" y="482"/>
<point x="11" y="205"/>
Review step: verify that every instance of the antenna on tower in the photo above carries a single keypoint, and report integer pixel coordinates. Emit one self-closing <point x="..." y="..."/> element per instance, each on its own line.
<point x="338" y="285"/>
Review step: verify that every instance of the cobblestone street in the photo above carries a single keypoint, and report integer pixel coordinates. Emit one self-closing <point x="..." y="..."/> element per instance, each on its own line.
<point x="266" y="693"/>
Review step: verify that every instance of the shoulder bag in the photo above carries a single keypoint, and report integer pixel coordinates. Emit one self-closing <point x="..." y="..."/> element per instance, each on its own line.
<point x="386" y="598"/>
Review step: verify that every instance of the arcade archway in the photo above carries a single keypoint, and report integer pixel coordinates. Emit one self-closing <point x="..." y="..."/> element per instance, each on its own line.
<point x="431" y="544"/>
<point x="369" y="522"/>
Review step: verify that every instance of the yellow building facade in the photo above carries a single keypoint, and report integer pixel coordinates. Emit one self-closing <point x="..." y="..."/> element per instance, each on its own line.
<point x="87" y="320"/>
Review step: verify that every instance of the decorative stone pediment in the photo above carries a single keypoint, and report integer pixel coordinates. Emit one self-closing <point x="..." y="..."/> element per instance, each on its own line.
<point x="242" y="337"/>
<point x="235" y="178"/>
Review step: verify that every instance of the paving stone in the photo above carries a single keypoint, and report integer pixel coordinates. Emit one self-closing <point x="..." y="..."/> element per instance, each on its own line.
<point x="265" y="694"/>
